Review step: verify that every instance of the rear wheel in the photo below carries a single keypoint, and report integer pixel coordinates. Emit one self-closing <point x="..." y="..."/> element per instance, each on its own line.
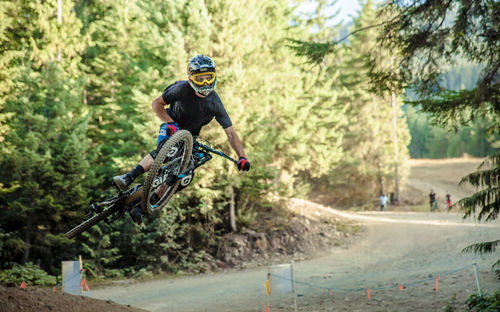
<point x="172" y="159"/>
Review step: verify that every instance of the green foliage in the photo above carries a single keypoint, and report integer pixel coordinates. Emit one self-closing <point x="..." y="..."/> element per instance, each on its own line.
<point x="46" y="157"/>
<point x="375" y="135"/>
<point x="428" y="52"/>
<point x="431" y="141"/>
<point x="484" y="303"/>
<point x="97" y="245"/>
<point x="314" y="52"/>
<point x="75" y="110"/>
<point x="44" y="161"/>
<point x="30" y="273"/>
<point x="487" y="200"/>
<point x="484" y="204"/>
<point x="11" y="248"/>
<point x="486" y="247"/>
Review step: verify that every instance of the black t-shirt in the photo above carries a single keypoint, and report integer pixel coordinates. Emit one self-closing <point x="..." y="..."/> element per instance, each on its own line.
<point x="192" y="112"/>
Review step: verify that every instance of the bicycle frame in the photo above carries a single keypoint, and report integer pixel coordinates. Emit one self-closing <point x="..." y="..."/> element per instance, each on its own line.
<point x="202" y="151"/>
<point x="201" y="154"/>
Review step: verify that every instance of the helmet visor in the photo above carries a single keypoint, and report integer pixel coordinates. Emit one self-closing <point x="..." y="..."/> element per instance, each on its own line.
<point x="202" y="78"/>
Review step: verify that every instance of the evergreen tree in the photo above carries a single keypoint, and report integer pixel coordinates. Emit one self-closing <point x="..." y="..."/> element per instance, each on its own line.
<point x="44" y="159"/>
<point x="473" y="35"/>
<point x="368" y="166"/>
<point x="117" y="81"/>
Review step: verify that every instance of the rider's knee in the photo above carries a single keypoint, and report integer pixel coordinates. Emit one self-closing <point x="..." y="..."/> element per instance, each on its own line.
<point x="154" y="153"/>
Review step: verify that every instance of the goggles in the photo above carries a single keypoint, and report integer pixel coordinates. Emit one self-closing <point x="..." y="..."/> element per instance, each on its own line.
<point x="202" y="78"/>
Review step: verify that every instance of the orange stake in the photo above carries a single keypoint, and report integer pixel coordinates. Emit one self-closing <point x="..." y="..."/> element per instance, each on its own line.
<point x="83" y="284"/>
<point x="401" y="287"/>
<point x="368" y="292"/>
<point x="267" y="307"/>
<point x="437" y="283"/>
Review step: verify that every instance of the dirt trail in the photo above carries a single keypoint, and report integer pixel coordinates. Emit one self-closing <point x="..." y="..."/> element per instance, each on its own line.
<point x="396" y="248"/>
<point x="388" y="254"/>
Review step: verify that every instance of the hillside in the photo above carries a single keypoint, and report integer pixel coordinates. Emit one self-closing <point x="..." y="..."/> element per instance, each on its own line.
<point x="440" y="175"/>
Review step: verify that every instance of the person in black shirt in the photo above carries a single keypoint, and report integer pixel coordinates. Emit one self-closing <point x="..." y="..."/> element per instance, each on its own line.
<point x="193" y="104"/>
<point x="432" y="200"/>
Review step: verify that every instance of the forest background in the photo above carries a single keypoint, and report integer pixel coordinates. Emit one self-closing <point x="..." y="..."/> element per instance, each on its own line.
<point x="75" y="93"/>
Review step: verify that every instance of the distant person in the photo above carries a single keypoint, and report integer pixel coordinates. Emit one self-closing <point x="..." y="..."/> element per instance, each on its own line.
<point x="383" y="202"/>
<point x="448" y="200"/>
<point x="432" y="200"/>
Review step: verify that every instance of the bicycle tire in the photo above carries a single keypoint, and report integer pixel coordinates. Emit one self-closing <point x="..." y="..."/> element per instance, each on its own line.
<point x="87" y="224"/>
<point x="179" y="136"/>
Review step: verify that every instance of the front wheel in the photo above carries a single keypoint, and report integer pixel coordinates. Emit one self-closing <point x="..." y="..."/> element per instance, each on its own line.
<point x="172" y="159"/>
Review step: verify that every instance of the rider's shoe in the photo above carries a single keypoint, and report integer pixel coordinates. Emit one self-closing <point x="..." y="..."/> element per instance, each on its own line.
<point x="122" y="181"/>
<point x="136" y="214"/>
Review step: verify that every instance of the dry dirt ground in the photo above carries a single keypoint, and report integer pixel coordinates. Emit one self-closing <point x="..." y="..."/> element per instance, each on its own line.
<point x="41" y="300"/>
<point x="396" y="248"/>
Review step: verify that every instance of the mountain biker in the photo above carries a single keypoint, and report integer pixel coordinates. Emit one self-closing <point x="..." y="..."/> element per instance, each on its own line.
<point x="193" y="104"/>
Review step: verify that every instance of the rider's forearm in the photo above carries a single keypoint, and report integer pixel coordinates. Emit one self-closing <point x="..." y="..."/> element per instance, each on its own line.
<point x="158" y="107"/>
<point x="235" y="142"/>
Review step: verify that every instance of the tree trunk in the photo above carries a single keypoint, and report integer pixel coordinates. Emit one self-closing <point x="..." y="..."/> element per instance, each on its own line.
<point x="396" y="148"/>
<point x="232" y="214"/>
<point x="395" y="139"/>
<point x="27" y="239"/>
<point x="380" y="183"/>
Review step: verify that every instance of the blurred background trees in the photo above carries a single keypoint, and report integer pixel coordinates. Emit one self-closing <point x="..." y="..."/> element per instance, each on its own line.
<point x="448" y="63"/>
<point x="75" y="94"/>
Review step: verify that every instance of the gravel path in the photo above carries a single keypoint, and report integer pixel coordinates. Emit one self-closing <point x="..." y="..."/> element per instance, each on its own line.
<point x="394" y="249"/>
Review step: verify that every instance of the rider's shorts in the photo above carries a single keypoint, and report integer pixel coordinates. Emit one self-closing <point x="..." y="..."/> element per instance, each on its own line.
<point x="162" y="135"/>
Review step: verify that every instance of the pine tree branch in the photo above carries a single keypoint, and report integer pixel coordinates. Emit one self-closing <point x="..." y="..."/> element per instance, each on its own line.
<point x="482" y="248"/>
<point x="315" y="52"/>
<point x="488" y="200"/>
<point x="358" y="30"/>
<point x="485" y="248"/>
<point x="483" y="178"/>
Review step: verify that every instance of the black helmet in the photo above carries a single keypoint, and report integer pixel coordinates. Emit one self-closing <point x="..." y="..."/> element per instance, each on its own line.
<point x="201" y="74"/>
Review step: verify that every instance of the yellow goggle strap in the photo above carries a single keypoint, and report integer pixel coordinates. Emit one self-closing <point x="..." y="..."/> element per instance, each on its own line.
<point x="200" y="83"/>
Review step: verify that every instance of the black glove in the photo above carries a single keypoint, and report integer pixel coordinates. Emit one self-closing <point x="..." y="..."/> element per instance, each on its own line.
<point x="243" y="164"/>
<point x="172" y="127"/>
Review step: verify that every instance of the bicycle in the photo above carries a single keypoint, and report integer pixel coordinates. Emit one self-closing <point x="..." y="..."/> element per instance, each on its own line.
<point x="171" y="171"/>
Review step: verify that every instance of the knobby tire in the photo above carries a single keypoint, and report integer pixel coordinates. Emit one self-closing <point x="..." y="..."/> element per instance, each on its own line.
<point x="87" y="224"/>
<point x="181" y="135"/>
